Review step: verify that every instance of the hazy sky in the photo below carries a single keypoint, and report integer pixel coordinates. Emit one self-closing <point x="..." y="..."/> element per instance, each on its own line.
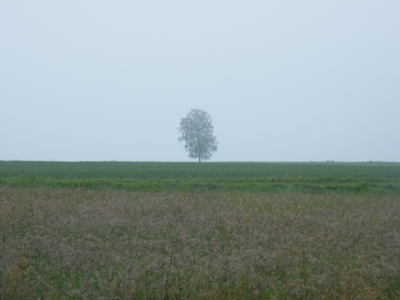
<point x="282" y="80"/>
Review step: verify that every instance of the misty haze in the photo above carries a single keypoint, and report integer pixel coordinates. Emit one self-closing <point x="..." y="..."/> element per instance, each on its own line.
<point x="200" y="150"/>
<point x="101" y="81"/>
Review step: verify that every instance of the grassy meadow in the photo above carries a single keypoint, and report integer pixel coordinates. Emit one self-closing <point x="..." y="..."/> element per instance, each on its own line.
<point x="205" y="170"/>
<point x="224" y="231"/>
<point x="248" y="177"/>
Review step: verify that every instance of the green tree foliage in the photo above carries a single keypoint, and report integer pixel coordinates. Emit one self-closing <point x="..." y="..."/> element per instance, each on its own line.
<point x="197" y="131"/>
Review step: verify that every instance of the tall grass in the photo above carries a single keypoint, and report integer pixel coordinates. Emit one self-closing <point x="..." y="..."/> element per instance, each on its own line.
<point x="86" y="244"/>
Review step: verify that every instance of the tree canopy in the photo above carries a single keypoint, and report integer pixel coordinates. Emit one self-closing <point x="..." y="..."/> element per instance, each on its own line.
<point x="197" y="132"/>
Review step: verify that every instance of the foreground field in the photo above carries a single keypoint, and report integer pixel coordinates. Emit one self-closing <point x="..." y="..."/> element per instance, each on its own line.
<point x="85" y="244"/>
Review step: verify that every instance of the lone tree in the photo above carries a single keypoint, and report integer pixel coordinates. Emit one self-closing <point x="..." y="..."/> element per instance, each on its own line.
<point x="197" y="132"/>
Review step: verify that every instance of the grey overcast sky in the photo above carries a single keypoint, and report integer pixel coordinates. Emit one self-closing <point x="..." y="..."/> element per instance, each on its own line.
<point x="282" y="80"/>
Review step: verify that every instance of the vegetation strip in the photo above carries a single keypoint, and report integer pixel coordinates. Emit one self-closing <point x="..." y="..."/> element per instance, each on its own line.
<point x="171" y="170"/>
<point x="324" y="184"/>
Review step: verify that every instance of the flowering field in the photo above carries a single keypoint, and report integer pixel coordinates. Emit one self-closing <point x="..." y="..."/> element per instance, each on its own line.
<point x="62" y="243"/>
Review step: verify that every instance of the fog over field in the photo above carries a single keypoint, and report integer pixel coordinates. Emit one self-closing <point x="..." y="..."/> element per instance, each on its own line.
<point x="282" y="80"/>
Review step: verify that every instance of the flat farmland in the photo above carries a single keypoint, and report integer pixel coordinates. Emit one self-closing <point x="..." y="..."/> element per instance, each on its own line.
<point x="249" y="177"/>
<point x="168" y="170"/>
<point x="225" y="239"/>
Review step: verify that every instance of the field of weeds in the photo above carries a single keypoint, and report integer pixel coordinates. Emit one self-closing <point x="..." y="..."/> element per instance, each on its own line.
<point x="85" y="244"/>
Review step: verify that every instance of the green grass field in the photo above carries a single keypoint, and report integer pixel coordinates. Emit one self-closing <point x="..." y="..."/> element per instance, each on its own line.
<point x="162" y="170"/>
<point x="257" y="177"/>
<point x="199" y="231"/>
